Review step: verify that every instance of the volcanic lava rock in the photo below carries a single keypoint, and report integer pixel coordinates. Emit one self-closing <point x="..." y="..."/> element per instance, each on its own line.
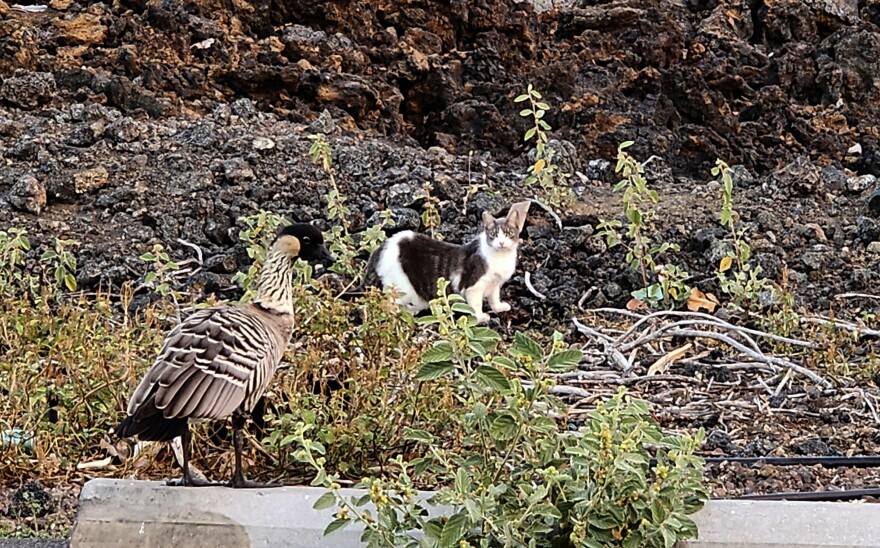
<point x="28" y="195"/>
<point x="28" y="90"/>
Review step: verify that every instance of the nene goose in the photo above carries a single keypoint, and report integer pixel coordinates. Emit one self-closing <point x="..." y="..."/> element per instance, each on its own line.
<point x="218" y="361"/>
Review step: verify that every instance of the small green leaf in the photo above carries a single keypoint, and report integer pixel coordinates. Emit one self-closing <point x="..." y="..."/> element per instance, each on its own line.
<point x="625" y="144"/>
<point x="503" y="428"/>
<point x="526" y="112"/>
<point x="506" y="363"/>
<point x="484" y="334"/>
<point x="492" y="378"/>
<point x="431" y="371"/>
<point x="634" y="216"/>
<point x="525" y="345"/>
<point x="148" y="257"/>
<point x="564" y="360"/>
<point x="336" y="525"/>
<point x="327" y="500"/>
<point x="535" y="94"/>
<point x="530" y="133"/>
<point x="601" y="522"/>
<point x="441" y="352"/>
<point x="362" y="500"/>
<point x="462" y="481"/>
<point x="433" y="529"/>
<point x="453" y="530"/>
<point x="543" y="106"/>
<point x="415" y="434"/>
<point x="70" y="282"/>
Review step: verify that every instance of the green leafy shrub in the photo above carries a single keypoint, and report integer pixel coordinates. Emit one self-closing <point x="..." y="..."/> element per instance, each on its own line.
<point x="505" y="464"/>
<point x="62" y="264"/>
<point x="66" y="370"/>
<point x="353" y="384"/>
<point x="341" y="242"/>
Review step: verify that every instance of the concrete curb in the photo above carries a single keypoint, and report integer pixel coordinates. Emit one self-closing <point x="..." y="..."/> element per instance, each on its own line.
<point x="142" y="513"/>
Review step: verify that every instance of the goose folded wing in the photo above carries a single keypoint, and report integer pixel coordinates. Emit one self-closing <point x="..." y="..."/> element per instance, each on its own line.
<point x="206" y="366"/>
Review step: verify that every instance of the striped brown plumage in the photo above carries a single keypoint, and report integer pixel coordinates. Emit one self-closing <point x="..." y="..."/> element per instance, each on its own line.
<point x="218" y="362"/>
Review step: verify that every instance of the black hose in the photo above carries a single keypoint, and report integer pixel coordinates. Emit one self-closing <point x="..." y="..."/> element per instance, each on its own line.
<point x="861" y="461"/>
<point x="830" y="496"/>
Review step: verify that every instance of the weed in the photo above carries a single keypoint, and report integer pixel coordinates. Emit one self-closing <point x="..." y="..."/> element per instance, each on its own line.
<point x="260" y="230"/>
<point x="430" y="212"/>
<point x="343" y="387"/>
<point x="14" y="243"/>
<point x="543" y="172"/>
<point x="161" y="278"/>
<point x="341" y="242"/>
<point x="66" y="369"/>
<point x="641" y="250"/>
<point x="746" y="285"/>
<point x="62" y="264"/>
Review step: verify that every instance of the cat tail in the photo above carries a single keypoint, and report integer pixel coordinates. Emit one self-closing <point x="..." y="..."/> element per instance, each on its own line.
<point x="371" y="277"/>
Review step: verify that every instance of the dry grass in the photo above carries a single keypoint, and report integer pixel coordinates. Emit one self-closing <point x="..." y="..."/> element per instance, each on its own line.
<point x="65" y="371"/>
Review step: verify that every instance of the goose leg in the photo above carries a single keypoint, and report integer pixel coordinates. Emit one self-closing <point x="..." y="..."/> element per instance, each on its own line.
<point x="188" y="478"/>
<point x="238" y="481"/>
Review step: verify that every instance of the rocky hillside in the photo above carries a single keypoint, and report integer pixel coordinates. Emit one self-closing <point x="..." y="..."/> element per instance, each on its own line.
<point x="131" y="122"/>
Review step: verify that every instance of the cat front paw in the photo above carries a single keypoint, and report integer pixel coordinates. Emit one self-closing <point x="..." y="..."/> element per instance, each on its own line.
<point x="482" y="317"/>
<point x="502" y="307"/>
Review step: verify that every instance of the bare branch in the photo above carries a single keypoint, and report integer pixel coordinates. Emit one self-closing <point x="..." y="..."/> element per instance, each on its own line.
<point x="531" y="288"/>
<point x="607" y="345"/>
<point x="193" y="246"/>
<point x="548" y="210"/>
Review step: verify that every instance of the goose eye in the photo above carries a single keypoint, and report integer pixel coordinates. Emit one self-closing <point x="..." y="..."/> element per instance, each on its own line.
<point x="306" y="240"/>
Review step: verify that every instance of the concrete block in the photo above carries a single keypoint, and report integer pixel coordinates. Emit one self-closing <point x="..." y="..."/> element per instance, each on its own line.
<point x="128" y="513"/>
<point x="789" y="524"/>
<point x="141" y="513"/>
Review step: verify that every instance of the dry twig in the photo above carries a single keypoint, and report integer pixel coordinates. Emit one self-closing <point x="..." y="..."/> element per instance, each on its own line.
<point x="531" y="288"/>
<point x="695" y="325"/>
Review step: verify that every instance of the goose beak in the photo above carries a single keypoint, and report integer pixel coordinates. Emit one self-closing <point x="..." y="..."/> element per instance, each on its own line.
<point x="323" y="257"/>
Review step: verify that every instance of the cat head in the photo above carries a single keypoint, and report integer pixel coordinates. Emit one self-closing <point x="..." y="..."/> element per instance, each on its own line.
<point x="503" y="234"/>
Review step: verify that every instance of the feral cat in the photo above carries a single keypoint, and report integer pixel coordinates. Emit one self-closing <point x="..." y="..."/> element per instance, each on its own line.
<point x="412" y="263"/>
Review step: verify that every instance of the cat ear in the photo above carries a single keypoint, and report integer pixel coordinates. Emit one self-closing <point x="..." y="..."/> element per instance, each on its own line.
<point x="488" y="219"/>
<point x="518" y="213"/>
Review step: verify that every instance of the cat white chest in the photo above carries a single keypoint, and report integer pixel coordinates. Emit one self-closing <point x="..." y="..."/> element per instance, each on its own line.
<point x="500" y="265"/>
